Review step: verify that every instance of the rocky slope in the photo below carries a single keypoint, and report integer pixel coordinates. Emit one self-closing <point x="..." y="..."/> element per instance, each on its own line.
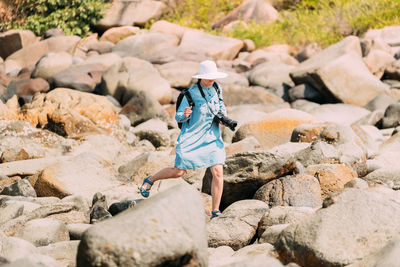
<point x="311" y="177"/>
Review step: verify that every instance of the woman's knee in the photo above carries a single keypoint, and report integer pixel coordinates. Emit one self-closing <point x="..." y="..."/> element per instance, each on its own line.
<point x="179" y="172"/>
<point x="217" y="172"/>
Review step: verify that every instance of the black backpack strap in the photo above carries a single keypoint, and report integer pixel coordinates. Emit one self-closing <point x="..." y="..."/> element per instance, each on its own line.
<point x="188" y="97"/>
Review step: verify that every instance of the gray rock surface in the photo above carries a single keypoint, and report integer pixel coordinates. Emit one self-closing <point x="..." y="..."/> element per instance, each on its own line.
<point x="10" y="210"/>
<point x="237" y="225"/>
<point x="65" y="251"/>
<point x="52" y="64"/>
<point x="83" y="78"/>
<point x="391" y="117"/>
<point x="300" y="190"/>
<point x="388" y="256"/>
<point x="42" y="232"/>
<point x="244" y="173"/>
<point x="154" y="130"/>
<point x="20" y="188"/>
<point x="14" y="248"/>
<point x="355" y="224"/>
<point x="129" y="75"/>
<point x="168" y="228"/>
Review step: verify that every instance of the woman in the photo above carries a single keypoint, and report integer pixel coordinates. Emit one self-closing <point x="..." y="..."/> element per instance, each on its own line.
<point x="199" y="143"/>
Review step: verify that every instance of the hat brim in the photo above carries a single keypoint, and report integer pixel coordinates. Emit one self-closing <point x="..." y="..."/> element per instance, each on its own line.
<point x="211" y="76"/>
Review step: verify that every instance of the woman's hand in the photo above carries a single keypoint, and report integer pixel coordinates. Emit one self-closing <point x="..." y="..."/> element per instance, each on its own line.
<point x="187" y="111"/>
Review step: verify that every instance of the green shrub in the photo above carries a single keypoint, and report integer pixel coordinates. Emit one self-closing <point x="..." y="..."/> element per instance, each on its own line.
<point x="301" y="21"/>
<point x="75" y="17"/>
<point x="200" y="14"/>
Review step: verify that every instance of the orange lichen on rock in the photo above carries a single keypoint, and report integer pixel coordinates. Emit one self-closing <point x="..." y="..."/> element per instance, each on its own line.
<point x="275" y="128"/>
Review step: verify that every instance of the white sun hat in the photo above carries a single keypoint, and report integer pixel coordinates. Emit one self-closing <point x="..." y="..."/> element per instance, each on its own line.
<point x="208" y="70"/>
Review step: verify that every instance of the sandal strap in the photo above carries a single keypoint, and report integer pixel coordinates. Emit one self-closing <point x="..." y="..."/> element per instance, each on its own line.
<point x="147" y="180"/>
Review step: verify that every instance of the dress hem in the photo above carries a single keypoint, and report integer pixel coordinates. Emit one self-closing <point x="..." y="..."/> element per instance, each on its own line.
<point x="201" y="167"/>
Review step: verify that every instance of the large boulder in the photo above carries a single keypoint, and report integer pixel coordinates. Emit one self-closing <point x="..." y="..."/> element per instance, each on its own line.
<point x="234" y="95"/>
<point x="387" y="256"/>
<point x="329" y="71"/>
<point x="393" y="70"/>
<point x="73" y="176"/>
<point x="142" y="107"/>
<point x="83" y="78"/>
<point x="369" y="44"/>
<point x="14" y="248"/>
<point x="14" y="40"/>
<point x="377" y="61"/>
<point x="331" y="177"/>
<point x="178" y="73"/>
<point x="279" y="215"/>
<point x="338" y="113"/>
<point x="10" y="210"/>
<point x="70" y="112"/>
<point x="245" y="145"/>
<point x="52" y="64"/>
<point x="29" y="55"/>
<point x="129" y="13"/>
<point x="64" y="251"/>
<point x="96" y="108"/>
<point x="19" y="188"/>
<point x="389" y="34"/>
<point x="273" y="75"/>
<point x="116" y="34"/>
<point x="265" y="55"/>
<point x="33" y="260"/>
<point x="146" y="164"/>
<point x="380" y="102"/>
<point x="164" y="26"/>
<point x="305" y="91"/>
<point x="145" y="46"/>
<point x="337" y="143"/>
<point x="133" y="74"/>
<point x="244" y="173"/>
<point x="31" y="87"/>
<point x="237" y="225"/>
<point x="28" y="167"/>
<point x="351" y="226"/>
<point x="392" y="144"/>
<point x="108" y="147"/>
<point x="391" y="117"/>
<point x="10" y="110"/>
<point x="166" y="229"/>
<point x="249" y="11"/>
<point x="274" y="128"/>
<point x="42" y="232"/>
<point x="154" y="130"/>
<point x="216" y="47"/>
<point x="389" y="175"/>
<point x="106" y="59"/>
<point x="293" y="190"/>
<point x="317" y="152"/>
<point x="308" y="132"/>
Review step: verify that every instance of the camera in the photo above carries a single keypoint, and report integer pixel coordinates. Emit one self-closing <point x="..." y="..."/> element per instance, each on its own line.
<point x="231" y="124"/>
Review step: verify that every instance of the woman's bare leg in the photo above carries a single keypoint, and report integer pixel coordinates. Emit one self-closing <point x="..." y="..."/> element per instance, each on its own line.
<point x="217" y="185"/>
<point x="170" y="172"/>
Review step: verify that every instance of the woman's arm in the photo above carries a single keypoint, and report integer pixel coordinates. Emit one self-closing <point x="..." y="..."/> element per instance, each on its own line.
<point x="180" y="116"/>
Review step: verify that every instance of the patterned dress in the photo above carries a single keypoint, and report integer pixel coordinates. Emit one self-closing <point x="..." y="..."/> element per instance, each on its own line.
<point x="199" y="143"/>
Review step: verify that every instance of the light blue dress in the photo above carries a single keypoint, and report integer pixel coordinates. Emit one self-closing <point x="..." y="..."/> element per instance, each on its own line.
<point x="199" y="143"/>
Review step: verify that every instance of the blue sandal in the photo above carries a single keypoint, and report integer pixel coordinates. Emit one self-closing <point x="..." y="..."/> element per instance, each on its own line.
<point x="215" y="213"/>
<point x="146" y="192"/>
